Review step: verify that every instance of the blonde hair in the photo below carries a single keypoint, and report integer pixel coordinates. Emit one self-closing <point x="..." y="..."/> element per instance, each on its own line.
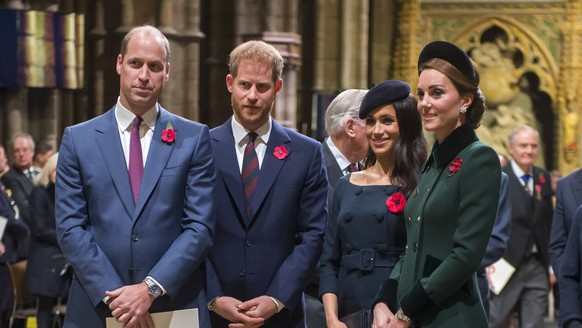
<point x="44" y="177"/>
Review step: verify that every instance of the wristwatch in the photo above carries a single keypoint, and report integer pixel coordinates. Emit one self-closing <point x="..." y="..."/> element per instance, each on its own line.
<point x="401" y="316"/>
<point x="153" y="288"/>
<point x="212" y="303"/>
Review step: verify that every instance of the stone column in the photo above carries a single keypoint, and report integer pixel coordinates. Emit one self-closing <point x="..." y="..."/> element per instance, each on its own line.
<point x="192" y="36"/>
<point x="569" y="94"/>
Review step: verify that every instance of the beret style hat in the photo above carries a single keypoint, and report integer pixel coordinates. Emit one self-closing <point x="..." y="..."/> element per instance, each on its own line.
<point x="452" y="54"/>
<point x="387" y="92"/>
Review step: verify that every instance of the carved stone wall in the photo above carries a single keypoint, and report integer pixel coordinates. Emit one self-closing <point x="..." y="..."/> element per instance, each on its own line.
<point x="529" y="74"/>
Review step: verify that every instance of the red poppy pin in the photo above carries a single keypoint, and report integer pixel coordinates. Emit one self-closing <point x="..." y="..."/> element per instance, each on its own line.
<point x="538" y="193"/>
<point x="455" y="165"/>
<point x="542" y="179"/>
<point x="168" y="135"/>
<point x="396" y="203"/>
<point x="281" y="152"/>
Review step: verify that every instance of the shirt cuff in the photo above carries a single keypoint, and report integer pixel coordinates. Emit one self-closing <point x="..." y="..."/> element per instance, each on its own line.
<point x="160" y="285"/>
<point x="279" y="304"/>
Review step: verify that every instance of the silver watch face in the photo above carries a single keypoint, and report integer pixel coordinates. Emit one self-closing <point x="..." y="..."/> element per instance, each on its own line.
<point x="155" y="290"/>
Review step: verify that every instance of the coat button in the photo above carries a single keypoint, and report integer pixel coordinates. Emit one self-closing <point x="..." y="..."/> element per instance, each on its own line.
<point x="242" y="273"/>
<point x="415" y="247"/>
<point x="249" y="244"/>
<point x="134" y="237"/>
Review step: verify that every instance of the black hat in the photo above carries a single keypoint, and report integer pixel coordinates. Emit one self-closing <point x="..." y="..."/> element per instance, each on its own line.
<point x="452" y="54"/>
<point x="387" y="92"/>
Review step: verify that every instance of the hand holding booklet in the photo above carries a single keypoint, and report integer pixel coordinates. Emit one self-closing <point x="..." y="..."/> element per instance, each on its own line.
<point x="499" y="274"/>
<point x="171" y="319"/>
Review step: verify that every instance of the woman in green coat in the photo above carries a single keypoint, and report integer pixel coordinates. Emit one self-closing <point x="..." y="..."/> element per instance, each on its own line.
<point x="450" y="215"/>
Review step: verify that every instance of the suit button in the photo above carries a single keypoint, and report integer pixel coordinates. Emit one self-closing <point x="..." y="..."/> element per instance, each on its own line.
<point x="249" y="244"/>
<point x="242" y="273"/>
<point x="134" y="237"/>
<point x="415" y="247"/>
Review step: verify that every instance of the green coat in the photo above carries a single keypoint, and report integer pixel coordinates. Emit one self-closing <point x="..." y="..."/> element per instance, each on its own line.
<point x="449" y="218"/>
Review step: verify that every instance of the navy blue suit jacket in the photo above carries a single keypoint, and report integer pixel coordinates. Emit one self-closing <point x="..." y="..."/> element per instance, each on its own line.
<point x="568" y="198"/>
<point x="15" y="230"/>
<point x="273" y="252"/>
<point x="500" y="234"/>
<point x="571" y="273"/>
<point x="112" y="242"/>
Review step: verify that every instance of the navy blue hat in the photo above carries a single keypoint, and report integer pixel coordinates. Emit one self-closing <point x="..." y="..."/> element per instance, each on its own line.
<point x="450" y="53"/>
<point x="385" y="93"/>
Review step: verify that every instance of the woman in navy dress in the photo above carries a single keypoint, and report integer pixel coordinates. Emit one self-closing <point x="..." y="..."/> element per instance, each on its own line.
<point x="366" y="233"/>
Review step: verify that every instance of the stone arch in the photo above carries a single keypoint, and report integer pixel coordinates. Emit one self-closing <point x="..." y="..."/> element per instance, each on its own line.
<point x="519" y="77"/>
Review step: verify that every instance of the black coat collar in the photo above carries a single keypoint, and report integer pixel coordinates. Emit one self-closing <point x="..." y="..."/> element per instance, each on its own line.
<point x="460" y="138"/>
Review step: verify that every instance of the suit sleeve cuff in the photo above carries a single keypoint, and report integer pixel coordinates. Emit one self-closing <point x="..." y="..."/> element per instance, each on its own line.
<point x="160" y="285"/>
<point x="278" y="303"/>
<point x="416" y="301"/>
<point x="387" y="294"/>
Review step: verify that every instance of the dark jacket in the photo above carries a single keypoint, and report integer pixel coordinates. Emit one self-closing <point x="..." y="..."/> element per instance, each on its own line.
<point x="47" y="269"/>
<point x="449" y="218"/>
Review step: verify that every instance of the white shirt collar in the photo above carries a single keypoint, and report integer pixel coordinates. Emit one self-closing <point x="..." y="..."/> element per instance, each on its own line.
<point x="337" y="154"/>
<point x="125" y="117"/>
<point x="239" y="132"/>
<point x="518" y="171"/>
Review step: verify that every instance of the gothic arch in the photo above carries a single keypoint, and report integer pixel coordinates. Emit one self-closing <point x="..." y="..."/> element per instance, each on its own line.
<point x="519" y="77"/>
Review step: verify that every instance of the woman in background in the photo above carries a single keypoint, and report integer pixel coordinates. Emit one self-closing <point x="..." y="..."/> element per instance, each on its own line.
<point x="451" y="212"/>
<point x="46" y="274"/>
<point x="365" y="232"/>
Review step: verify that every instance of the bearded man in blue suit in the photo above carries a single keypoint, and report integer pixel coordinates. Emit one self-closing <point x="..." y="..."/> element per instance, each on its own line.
<point x="272" y="185"/>
<point x="137" y="243"/>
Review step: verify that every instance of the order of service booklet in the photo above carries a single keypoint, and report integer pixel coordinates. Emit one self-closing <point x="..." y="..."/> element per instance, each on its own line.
<point x="171" y="319"/>
<point x="499" y="274"/>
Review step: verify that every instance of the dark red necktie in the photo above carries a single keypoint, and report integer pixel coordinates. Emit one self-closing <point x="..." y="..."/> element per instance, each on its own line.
<point x="353" y="168"/>
<point x="135" y="158"/>
<point x="250" y="171"/>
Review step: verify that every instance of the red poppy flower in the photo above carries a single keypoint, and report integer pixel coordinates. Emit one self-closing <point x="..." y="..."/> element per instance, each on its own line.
<point x="538" y="188"/>
<point x="455" y="165"/>
<point x="396" y="202"/>
<point x="168" y="135"/>
<point x="542" y="179"/>
<point x="281" y="152"/>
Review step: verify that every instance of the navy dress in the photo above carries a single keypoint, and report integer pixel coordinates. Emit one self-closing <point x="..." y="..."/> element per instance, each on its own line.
<point x="363" y="242"/>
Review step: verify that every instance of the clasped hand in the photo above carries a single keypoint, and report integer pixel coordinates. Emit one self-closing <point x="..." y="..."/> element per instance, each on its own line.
<point x="249" y="314"/>
<point x="384" y="318"/>
<point x="130" y="305"/>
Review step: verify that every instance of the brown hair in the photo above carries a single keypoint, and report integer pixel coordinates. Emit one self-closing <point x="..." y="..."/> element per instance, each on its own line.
<point x="258" y="52"/>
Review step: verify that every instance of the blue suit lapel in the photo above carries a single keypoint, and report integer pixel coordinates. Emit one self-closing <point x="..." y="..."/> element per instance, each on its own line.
<point x="158" y="156"/>
<point x="271" y="165"/>
<point x="107" y="136"/>
<point x="227" y="163"/>
<point x="577" y="187"/>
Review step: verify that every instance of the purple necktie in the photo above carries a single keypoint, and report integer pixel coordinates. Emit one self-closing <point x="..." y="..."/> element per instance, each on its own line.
<point x="135" y="158"/>
<point x="250" y="170"/>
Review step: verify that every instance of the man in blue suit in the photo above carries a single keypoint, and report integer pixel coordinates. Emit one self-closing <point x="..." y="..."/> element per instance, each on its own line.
<point x="137" y="244"/>
<point x="272" y="186"/>
<point x="568" y="198"/>
<point x="570" y="275"/>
